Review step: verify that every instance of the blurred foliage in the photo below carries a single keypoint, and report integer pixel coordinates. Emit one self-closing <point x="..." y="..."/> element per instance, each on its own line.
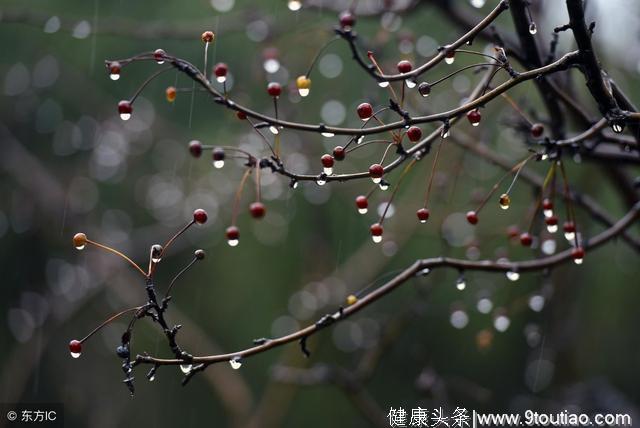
<point x="69" y="164"/>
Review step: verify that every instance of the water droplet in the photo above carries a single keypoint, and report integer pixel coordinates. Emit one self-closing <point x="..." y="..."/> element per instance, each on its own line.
<point x="328" y="134"/>
<point x="152" y="378"/>
<point x="359" y="140"/>
<point x="410" y="83"/>
<point x="424" y="272"/>
<point x="156" y="253"/>
<point x="294" y="5"/>
<point x="328" y="171"/>
<point x="547" y="213"/>
<point x="233" y="242"/>
<point x="185" y="368"/>
<point x="445" y="132"/>
<point x="218" y="164"/>
<point x="533" y="29"/>
<point x="544" y="156"/>
<point x="513" y="275"/>
<point x="80" y="247"/>
<point x="362" y="210"/>
<point x="552" y="228"/>
<point x="578" y="261"/>
<point x="125" y="116"/>
<point x="376" y="180"/>
<point x="376" y="239"/>
<point x="75" y="354"/>
<point x="449" y="60"/>
<point x="384" y="185"/>
<point x="221" y="79"/>
<point x="321" y="181"/>
<point x="460" y="283"/>
<point x="383" y="84"/>
<point x="274" y="130"/>
<point x="478" y="3"/>
<point x="617" y="127"/>
<point x="114" y="76"/>
<point x="569" y="236"/>
<point x="303" y="92"/>
<point x="235" y="363"/>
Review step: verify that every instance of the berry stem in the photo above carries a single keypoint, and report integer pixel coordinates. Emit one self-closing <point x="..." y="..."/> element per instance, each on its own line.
<point x="395" y="189"/>
<point x="109" y="320"/>
<point x="149" y="79"/>
<point x="516" y="167"/>
<point x="178" y="275"/>
<point x="236" y="200"/>
<point x="517" y="108"/>
<point x="118" y="253"/>
<point x="319" y="53"/>
<point x="433" y="172"/>
<point x="482" y="64"/>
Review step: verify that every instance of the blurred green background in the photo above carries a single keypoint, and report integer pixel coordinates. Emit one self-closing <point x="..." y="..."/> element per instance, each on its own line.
<point x="69" y="164"/>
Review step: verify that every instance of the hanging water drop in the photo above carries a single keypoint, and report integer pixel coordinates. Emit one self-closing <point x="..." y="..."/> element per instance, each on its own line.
<point x="383" y="84"/>
<point x="384" y="185"/>
<point x="294" y="5"/>
<point x="410" y="83"/>
<point x="328" y="171"/>
<point x="505" y="201"/>
<point x="478" y="3"/>
<point x="461" y="284"/>
<point x="185" y="368"/>
<point x="617" y="127"/>
<point x="274" y="130"/>
<point x="533" y="29"/>
<point x="235" y="363"/>
<point x="321" y="181"/>
<point x="328" y="134"/>
<point x="513" y="275"/>
<point x="156" y="253"/>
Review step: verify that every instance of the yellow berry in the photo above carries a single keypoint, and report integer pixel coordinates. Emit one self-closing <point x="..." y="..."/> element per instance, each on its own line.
<point x="351" y="299"/>
<point x="303" y="82"/>
<point x="171" y="94"/>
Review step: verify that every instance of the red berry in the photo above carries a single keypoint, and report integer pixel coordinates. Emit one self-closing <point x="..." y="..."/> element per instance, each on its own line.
<point x="547" y="204"/>
<point x="577" y="253"/>
<point x="423" y="214"/>
<point x="241" y="115"/>
<point x="450" y="54"/>
<point x="195" y="147"/>
<point x="347" y="20"/>
<point x="376" y="229"/>
<point x="218" y="154"/>
<point x="327" y="161"/>
<point x="551" y="220"/>
<point x="75" y="347"/>
<point x="474" y="117"/>
<point x="274" y="89"/>
<point x="114" y="67"/>
<point x="200" y="216"/>
<point x="569" y="227"/>
<point x="472" y="217"/>
<point x="404" y="66"/>
<point x="365" y="111"/>
<point x="414" y="133"/>
<point x="233" y="233"/>
<point x="159" y="55"/>
<point x="124" y="107"/>
<point x="526" y="239"/>
<point x="362" y="202"/>
<point x="376" y="170"/>
<point x="220" y="70"/>
<point x="257" y="210"/>
<point x="338" y="153"/>
<point x="537" y="129"/>
<point x="207" y="36"/>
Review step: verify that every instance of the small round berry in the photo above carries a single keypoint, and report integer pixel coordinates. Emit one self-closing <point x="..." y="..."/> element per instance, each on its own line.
<point x="474" y="117"/>
<point x="351" y="299"/>
<point x="303" y="82"/>
<point x="472" y="217"/>
<point x="578" y="255"/>
<point x="547" y="204"/>
<point x="362" y="202"/>
<point x="414" y="133"/>
<point x="339" y="153"/>
<point x="195" y="148"/>
<point x="537" y="129"/>
<point x="347" y="20"/>
<point x="125" y="109"/>
<point x="257" y="209"/>
<point x="199" y="254"/>
<point x="551" y="220"/>
<point x="404" y="66"/>
<point x="114" y="70"/>
<point x="220" y="69"/>
<point x="365" y="111"/>
<point x="569" y="227"/>
<point x="159" y="55"/>
<point x="207" y="36"/>
<point x="327" y="160"/>
<point x="200" y="216"/>
<point x="123" y="351"/>
<point x="233" y="235"/>
<point x="376" y="170"/>
<point x="170" y="94"/>
<point x="504" y="201"/>
<point x="423" y="215"/>
<point x="376" y="232"/>
<point x="75" y="347"/>
<point x="526" y="239"/>
<point x="424" y="89"/>
<point x="79" y="240"/>
<point x="241" y="115"/>
<point x="218" y="154"/>
<point x="450" y="57"/>
<point x="274" y="89"/>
